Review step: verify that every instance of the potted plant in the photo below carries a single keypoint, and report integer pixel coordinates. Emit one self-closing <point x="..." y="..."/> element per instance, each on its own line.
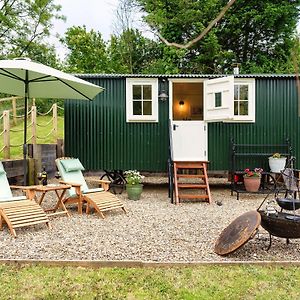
<point x="277" y="162"/>
<point x="252" y="179"/>
<point x="134" y="186"/>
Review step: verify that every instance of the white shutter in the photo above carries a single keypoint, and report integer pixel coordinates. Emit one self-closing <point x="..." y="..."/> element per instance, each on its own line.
<point x="218" y="99"/>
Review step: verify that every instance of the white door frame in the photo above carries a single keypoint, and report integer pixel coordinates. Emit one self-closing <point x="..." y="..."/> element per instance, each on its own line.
<point x="171" y="103"/>
<point x="181" y="80"/>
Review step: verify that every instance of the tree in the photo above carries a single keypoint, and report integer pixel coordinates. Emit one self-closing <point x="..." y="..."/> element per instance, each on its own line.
<point x="24" y="23"/>
<point x="131" y="53"/>
<point x="249" y="33"/>
<point x="87" y="51"/>
<point x="260" y="33"/>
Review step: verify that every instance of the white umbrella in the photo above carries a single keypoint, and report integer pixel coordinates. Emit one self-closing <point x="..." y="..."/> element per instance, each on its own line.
<point x="23" y="77"/>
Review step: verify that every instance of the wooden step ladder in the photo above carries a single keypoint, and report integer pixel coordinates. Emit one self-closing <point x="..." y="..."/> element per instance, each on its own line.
<point x="201" y="177"/>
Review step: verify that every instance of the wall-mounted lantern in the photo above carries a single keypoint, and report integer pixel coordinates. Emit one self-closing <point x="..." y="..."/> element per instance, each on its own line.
<point x="163" y="96"/>
<point x="181" y="103"/>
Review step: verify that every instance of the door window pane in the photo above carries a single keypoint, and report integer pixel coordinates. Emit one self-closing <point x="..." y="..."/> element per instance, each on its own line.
<point x="218" y="99"/>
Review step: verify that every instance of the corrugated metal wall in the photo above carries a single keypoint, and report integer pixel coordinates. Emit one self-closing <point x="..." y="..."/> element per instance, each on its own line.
<point x="276" y="119"/>
<point x="98" y="134"/>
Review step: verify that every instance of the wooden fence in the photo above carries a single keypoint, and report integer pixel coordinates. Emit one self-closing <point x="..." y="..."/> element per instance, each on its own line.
<point x="7" y="129"/>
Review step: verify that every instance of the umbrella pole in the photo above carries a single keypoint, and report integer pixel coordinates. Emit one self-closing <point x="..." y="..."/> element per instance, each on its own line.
<point x="25" y="131"/>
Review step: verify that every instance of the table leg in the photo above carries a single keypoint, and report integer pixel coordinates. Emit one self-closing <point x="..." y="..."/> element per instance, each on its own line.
<point x="42" y="198"/>
<point x="60" y="202"/>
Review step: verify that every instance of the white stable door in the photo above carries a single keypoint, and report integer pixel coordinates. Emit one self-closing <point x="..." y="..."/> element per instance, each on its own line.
<point x="189" y="140"/>
<point x="188" y="130"/>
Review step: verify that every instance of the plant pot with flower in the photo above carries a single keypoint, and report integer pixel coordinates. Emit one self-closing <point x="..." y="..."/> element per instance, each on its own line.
<point x="252" y="179"/>
<point x="277" y="162"/>
<point x="134" y="186"/>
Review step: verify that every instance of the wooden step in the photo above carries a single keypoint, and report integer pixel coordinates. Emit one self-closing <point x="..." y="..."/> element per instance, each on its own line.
<point x="190" y="196"/>
<point x="190" y="176"/>
<point x="189" y="165"/>
<point x="203" y="187"/>
<point x="191" y="186"/>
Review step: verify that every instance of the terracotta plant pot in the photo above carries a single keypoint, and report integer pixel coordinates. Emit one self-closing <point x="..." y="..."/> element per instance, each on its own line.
<point x="252" y="184"/>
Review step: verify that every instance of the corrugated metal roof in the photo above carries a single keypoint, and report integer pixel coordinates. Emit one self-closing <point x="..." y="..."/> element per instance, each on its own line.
<point x="183" y="75"/>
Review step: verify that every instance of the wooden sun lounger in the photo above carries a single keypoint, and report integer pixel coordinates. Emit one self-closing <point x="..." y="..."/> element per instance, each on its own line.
<point x="21" y="213"/>
<point x="101" y="201"/>
<point x="18" y="211"/>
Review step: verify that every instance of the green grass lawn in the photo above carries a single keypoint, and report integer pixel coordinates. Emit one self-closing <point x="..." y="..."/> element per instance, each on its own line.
<point x="206" y="282"/>
<point x="16" y="138"/>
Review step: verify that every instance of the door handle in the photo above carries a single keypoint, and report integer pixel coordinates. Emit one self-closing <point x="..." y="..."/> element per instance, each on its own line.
<point x="175" y="126"/>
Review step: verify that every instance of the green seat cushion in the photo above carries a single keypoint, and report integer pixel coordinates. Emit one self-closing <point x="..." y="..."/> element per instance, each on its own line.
<point x="72" y="164"/>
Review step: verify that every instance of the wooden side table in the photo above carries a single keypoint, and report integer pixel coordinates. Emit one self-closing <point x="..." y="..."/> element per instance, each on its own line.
<point x="59" y="189"/>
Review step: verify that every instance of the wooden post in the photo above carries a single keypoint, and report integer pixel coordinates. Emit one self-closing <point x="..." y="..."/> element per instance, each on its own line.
<point x="6" y="134"/>
<point x="14" y="110"/>
<point x="33" y="120"/>
<point x="55" y="132"/>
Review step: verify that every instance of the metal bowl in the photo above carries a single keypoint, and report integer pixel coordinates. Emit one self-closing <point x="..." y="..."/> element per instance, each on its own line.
<point x="288" y="203"/>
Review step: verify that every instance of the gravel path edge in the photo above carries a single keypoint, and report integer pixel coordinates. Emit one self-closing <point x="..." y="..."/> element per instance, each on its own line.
<point x="139" y="264"/>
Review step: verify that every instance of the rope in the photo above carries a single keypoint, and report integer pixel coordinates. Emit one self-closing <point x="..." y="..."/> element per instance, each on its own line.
<point x="19" y="145"/>
<point x="19" y="117"/>
<point x="2" y="132"/>
<point x="41" y="138"/>
<point x="59" y="107"/>
<point x="22" y="116"/>
<point x="20" y="129"/>
<point x="2" y="149"/>
<point x="44" y="125"/>
<point x="44" y="114"/>
<point x="16" y="130"/>
<point x="1" y="117"/>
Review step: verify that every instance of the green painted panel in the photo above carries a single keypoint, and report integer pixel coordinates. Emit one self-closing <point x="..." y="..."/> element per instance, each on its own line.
<point x="98" y="134"/>
<point x="276" y="119"/>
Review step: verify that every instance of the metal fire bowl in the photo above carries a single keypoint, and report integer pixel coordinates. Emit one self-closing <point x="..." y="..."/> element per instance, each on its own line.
<point x="288" y="204"/>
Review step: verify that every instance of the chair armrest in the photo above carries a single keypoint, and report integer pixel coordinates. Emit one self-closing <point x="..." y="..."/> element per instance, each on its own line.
<point x="73" y="184"/>
<point x="29" y="190"/>
<point x="104" y="184"/>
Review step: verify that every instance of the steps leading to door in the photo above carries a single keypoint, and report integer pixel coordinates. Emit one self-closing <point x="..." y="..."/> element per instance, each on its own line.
<point x="201" y="187"/>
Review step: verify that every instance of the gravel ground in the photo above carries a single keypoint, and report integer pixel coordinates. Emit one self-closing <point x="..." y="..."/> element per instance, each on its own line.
<point x="153" y="230"/>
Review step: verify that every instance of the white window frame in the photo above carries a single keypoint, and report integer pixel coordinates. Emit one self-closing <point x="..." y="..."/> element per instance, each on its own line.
<point x="130" y="117"/>
<point x="250" y="82"/>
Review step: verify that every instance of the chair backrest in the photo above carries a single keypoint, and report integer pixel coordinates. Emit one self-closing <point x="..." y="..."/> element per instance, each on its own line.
<point x="5" y="191"/>
<point x="70" y="170"/>
<point x="289" y="179"/>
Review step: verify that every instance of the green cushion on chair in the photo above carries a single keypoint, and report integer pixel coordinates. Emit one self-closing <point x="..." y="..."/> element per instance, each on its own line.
<point x="72" y="164"/>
